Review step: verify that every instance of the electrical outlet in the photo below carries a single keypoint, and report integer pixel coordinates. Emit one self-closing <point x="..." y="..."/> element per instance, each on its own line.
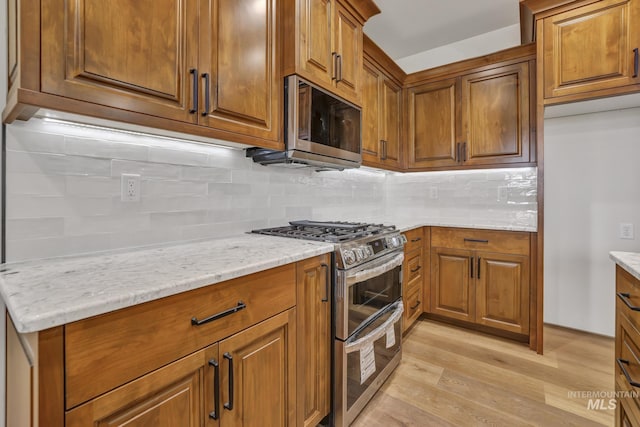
<point x="130" y="190"/>
<point x="503" y="194"/>
<point x="626" y="231"/>
<point x="433" y="192"/>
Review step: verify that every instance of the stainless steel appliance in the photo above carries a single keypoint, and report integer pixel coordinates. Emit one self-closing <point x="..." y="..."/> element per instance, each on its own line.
<point x="367" y="307"/>
<point x="321" y="130"/>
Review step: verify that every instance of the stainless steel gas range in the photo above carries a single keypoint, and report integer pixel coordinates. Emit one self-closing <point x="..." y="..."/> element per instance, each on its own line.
<point x="367" y="307"/>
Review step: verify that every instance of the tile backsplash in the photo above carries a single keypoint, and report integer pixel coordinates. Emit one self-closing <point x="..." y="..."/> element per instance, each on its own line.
<point x="64" y="184"/>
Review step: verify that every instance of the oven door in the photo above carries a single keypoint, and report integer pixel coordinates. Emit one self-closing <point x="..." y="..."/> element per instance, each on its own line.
<point x="365" y="361"/>
<point x="363" y="291"/>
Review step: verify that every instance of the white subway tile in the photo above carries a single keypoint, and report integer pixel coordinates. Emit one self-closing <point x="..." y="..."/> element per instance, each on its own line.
<point x="21" y="139"/>
<point x="29" y="228"/>
<point x="35" y="184"/>
<point x="145" y="169"/>
<point x="89" y="147"/>
<point x="92" y="186"/>
<point x="177" y="157"/>
<point x="79" y="225"/>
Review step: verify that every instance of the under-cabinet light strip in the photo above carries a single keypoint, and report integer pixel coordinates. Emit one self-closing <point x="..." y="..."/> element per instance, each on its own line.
<point x="136" y="133"/>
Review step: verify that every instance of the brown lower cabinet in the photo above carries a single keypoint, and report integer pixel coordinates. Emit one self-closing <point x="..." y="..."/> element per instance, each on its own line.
<point x="627" y="351"/>
<point x="481" y="277"/>
<point x="171" y="362"/>
<point x="414" y="272"/>
<point x="314" y="340"/>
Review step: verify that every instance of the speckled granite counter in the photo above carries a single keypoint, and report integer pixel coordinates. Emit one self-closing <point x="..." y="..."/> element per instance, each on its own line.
<point x="46" y="293"/>
<point x="409" y="224"/>
<point x="630" y="261"/>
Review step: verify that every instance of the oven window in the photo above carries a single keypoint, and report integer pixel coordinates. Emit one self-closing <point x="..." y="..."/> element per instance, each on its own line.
<point x="366" y="298"/>
<point x="383" y="356"/>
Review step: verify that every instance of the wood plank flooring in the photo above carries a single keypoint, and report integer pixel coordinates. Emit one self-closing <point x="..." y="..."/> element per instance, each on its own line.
<point x="453" y="377"/>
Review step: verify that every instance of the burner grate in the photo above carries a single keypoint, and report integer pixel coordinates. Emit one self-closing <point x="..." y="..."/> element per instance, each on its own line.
<point x="332" y="232"/>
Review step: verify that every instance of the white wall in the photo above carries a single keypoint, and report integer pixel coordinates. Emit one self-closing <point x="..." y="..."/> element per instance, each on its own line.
<point x="591" y="182"/>
<point x="483" y="44"/>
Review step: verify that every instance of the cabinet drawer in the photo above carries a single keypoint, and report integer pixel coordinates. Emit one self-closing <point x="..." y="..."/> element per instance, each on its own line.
<point x="412" y="308"/>
<point x="627" y="411"/>
<point x="109" y="350"/>
<point x="415" y="267"/>
<point x="628" y="295"/>
<point x="415" y="239"/>
<point x="628" y="355"/>
<point x="511" y="242"/>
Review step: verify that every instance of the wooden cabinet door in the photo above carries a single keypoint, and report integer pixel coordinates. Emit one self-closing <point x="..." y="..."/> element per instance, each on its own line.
<point x="258" y="374"/>
<point x="348" y="46"/>
<point x="371" y="115"/>
<point x="451" y="280"/>
<point x="495" y="115"/>
<point x="502" y="291"/>
<point x="129" y="54"/>
<point x="239" y="67"/>
<point x="432" y="122"/>
<point x="314" y="340"/>
<point x="391" y="99"/>
<point x="590" y="48"/>
<point x="170" y="396"/>
<point x="316" y="42"/>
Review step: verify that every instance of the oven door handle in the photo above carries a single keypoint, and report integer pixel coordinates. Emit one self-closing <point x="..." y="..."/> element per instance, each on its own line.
<point x="374" y="271"/>
<point x="380" y="331"/>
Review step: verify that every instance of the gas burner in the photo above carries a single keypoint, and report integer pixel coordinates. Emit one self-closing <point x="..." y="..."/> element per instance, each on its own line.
<point x="332" y="232"/>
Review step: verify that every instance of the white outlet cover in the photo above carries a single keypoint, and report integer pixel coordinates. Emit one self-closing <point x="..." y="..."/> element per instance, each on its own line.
<point x="130" y="187"/>
<point x="626" y="231"/>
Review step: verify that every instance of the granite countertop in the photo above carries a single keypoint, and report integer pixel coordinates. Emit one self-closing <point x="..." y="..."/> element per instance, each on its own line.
<point x="47" y="293"/>
<point x="406" y="224"/>
<point x="630" y="261"/>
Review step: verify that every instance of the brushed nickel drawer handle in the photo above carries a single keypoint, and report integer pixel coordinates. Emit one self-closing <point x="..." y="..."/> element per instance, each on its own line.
<point x="476" y="240"/>
<point x="624" y="296"/>
<point x="622" y="363"/>
<point x="240" y="306"/>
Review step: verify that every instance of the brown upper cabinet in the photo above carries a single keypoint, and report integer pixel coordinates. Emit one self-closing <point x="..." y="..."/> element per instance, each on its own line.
<point x="210" y="68"/>
<point x="590" y="49"/>
<point x="587" y="49"/>
<point x="381" y="109"/>
<point x="323" y="43"/>
<point x="470" y="114"/>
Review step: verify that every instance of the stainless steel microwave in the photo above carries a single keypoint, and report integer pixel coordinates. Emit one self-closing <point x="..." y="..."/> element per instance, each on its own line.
<point x="321" y="130"/>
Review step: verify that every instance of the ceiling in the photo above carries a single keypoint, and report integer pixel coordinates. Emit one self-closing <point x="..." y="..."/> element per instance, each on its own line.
<point x="406" y="27"/>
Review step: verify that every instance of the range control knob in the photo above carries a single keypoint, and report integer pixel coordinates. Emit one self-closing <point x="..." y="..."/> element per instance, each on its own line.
<point x="368" y="250"/>
<point x="349" y="257"/>
<point x="359" y="253"/>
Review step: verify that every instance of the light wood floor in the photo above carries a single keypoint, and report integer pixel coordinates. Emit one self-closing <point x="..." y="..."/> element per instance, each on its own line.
<point x="453" y="377"/>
